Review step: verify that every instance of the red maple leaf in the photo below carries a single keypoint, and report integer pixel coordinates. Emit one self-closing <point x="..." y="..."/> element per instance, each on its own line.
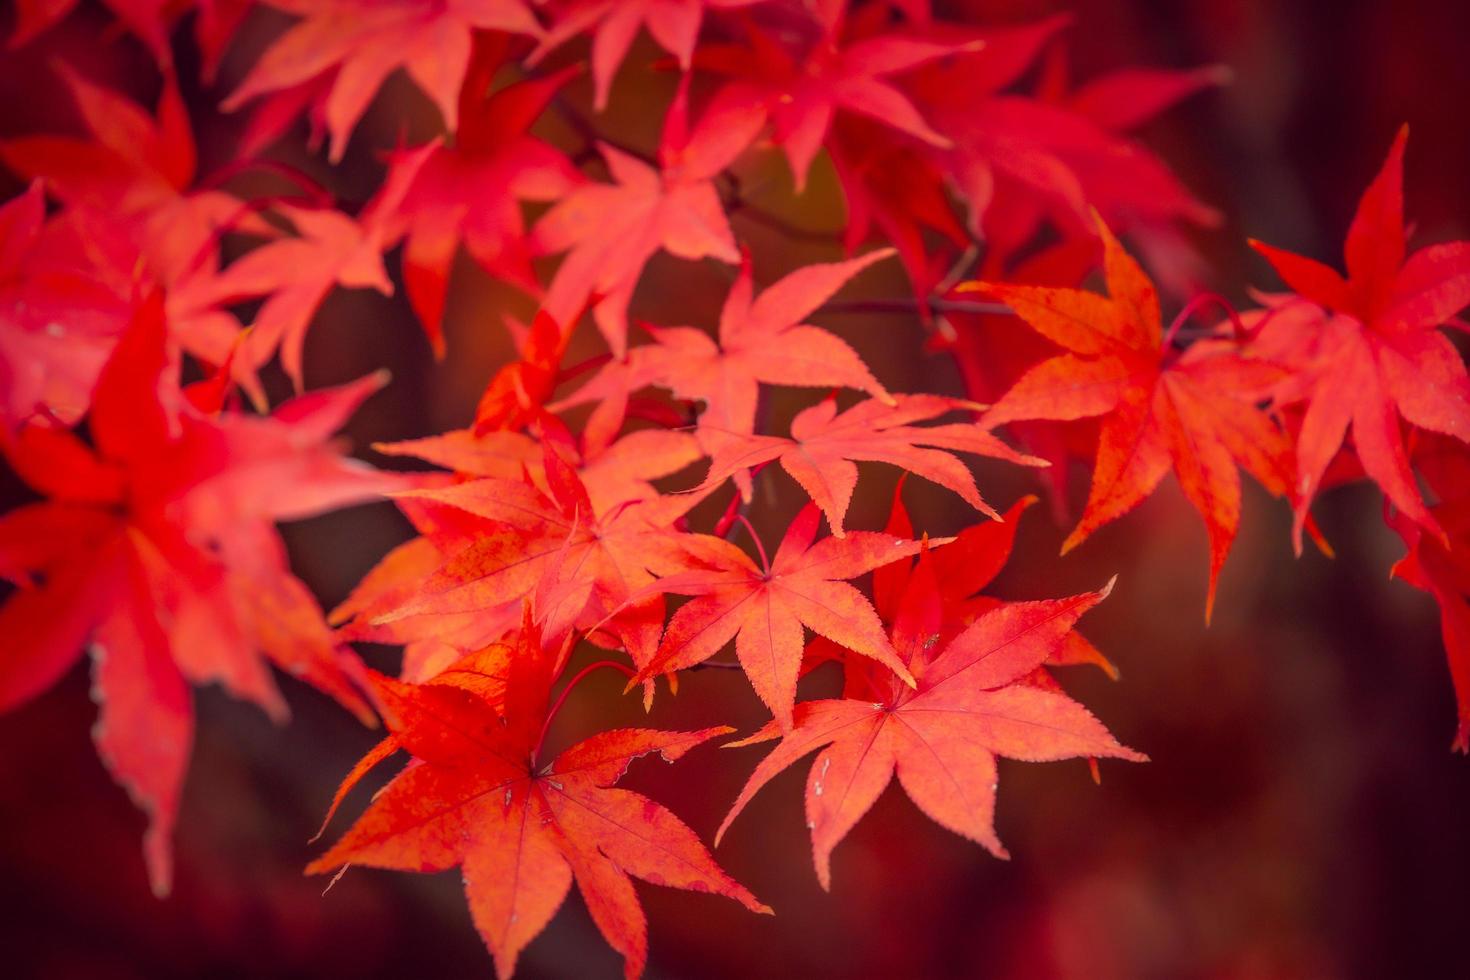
<point x="897" y="189"/>
<point x="992" y="350"/>
<point x="538" y="534"/>
<point x="1372" y="352"/>
<point x="1442" y="569"/>
<point x="66" y="293"/>
<point x="824" y="444"/>
<point x="615" y="473"/>
<point x="1020" y="160"/>
<point x="159" y="546"/>
<point x="952" y="577"/>
<point x="516" y="394"/>
<point x="137" y="172"/>
<point x="137" y="167"/>
<point x="295" y="274"/>
<point x="613" y="24"/>
<point x="151" y="21"/>
<point x="972" y="702"/>
<point x="521" y="831"/>
<point x="764" y="608"/>
<point x="1160" y="410"/>
<point x="610" y="231"/>
<point x="362" y="42"/>
<point x="472" y="191"/>
<point x="431" y="640"/>
<point x="801" y="88"/>
<point x="760" y="339"/>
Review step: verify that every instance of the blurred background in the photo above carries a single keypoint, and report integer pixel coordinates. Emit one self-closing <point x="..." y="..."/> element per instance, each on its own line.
<point x="1302" y="815"/>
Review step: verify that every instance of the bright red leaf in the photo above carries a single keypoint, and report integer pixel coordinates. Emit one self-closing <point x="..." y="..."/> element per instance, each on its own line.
<point x="1373" y="353"/>
<point x="824" y="444"/>
<point x="764" y="608"/>
<point x="361" y="42"/>
<point x="521" y="831"/>
<point x="159" y="547"/>
<point x="943" y="736"/>
<point x="1160" y="410"/>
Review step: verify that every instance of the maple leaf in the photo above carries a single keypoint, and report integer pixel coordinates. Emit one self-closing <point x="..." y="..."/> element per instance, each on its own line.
<point x="824" y="444"/>
<point x="1191" y="413"/>
<point x="970" y="704"/>
<point x="801" y="92"/>
<point x="897" y="188"/>
<point x="610" y="231"/>
<point x="537" y="533"/>
<point x="477" y="798"/>
<point x="514" y="396"/>
<point x="296" y="274"/>
<point x="761" y="339"/>
<point x="361" y="42"/>
<point x="951" y="578"/>
<point x="674" y="24"/>
<point x="151" y="21"/>
<point x="434" y="639"/>
<point x="1440" y="568"/>
<point x="992" y="350"/>
<point x="1053" y="154"/>
<point x="159" y="546"/>
<point x="612" y="474"/>
<point x="1374" y="355"/>
<point x="472" y="191"/>
<point x="135" y="166"/>
<point x="140" y="219"/>
<point x="65" y="296"/>
<point x="764" y="608"/>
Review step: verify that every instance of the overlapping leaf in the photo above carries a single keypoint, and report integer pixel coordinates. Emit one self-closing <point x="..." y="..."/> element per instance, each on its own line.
<point x="358" y="43"/>
<point x="1160" y="411"/>
<point x="1367" y="353"/>
<point x="942" y="737"/>
<point x="764" y="608"/>
<point x="159" y="546"/>
<point x="520" y="831"/>
<point x="824" y="443"/>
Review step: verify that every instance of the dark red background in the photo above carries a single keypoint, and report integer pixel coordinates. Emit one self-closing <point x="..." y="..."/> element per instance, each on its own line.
<point x="1302" y="815"/>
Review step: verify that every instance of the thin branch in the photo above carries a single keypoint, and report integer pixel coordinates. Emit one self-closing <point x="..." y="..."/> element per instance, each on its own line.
<point x="908" y="305"/>
<point x="590" y="133"/>
<point x="959" y="269"/>
<point x="756" y="215"/>
<point x="737" y="201"/>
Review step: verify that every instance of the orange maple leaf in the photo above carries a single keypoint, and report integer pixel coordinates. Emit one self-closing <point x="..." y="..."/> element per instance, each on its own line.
<point x="1160" y="411"/>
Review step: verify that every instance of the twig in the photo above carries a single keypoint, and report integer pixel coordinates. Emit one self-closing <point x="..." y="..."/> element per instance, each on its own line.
<point x="757" y="215"/>
<point x="907" y="305"/>
<point x="590" y="133"/>
<point x="738" y="202"/>
<point x="957" y="271"/>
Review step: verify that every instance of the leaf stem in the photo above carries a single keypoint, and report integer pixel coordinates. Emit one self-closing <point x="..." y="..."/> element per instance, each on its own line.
<point x="1198" y="303"/>
<point x="308" y="185"/>
<point x="765" y="563"/>
<point x="562" y="698"/>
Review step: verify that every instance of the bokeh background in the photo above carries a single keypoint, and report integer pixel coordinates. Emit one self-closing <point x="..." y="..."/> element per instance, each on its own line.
<point x="1302" y="815"/>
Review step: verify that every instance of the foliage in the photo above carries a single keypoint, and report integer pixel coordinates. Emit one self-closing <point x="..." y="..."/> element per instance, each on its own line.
<point x="564" y="514"/>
